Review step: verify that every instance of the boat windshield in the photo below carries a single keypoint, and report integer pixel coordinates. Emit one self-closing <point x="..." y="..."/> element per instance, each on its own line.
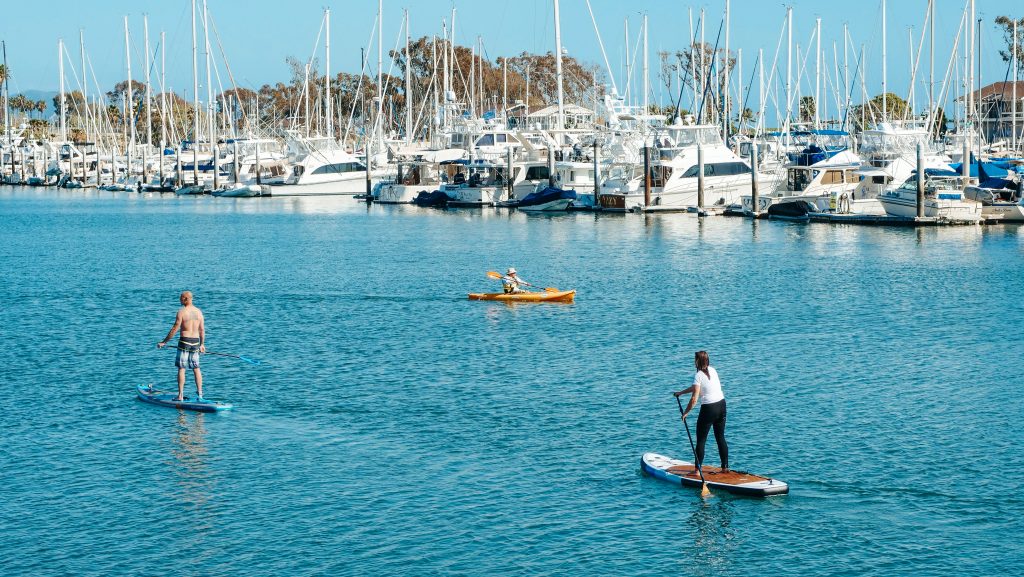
<point x="680" y="136"/>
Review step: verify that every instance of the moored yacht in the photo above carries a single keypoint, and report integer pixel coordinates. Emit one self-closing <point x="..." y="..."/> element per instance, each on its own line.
<point x="943" y="198"/>
<point x="824" y="174"/>
<point x="673" y="174"/>
<point x="321" y="167"/>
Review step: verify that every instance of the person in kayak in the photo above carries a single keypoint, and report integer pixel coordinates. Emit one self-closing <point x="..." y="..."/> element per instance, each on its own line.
<point x="511" y="282"/>
<point x="708" y="388"/>
<point x="191" y="343"/>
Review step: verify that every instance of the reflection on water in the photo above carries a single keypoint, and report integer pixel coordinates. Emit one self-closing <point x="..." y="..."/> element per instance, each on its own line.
<point x="710" y="525"/>
<point x="191" y="459"/>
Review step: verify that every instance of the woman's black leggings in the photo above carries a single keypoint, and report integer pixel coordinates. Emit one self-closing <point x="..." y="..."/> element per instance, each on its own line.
<point x="712" y="415"/>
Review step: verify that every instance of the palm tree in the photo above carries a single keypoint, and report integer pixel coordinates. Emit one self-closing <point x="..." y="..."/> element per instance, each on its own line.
<point x="5" y="75"/>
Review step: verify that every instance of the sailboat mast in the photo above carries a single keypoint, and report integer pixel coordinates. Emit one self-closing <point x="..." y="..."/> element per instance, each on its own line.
<point x="195" y="78"/>
<point x="163" y="97"/>
<point x="327" y="74"/>
<point x="63" y="101"/>
<point x="558" y="68"/>
<point x="760" y="91"/>
<point x="445" y="88"/>
<point x="195" y="97"/>
<point x="647" y="78"/>
<point x="129" y="103"/>
<point x="408" y="82"/>
<point x="163" y="107"/>
<point x="1013" y="100"/>
<point x="817" y="73"/>
<point x="7" y="97"/>
<point x="931" y="57"/>
<point x="789" y="71"/>
<point x="725" y="80"/>
<point x="629" y="77"/>
<point x="885" y="97"/>
<point x="85" y="84"/>
<point x="846" y="73"/>
<point x="209" y="82"/>
<point x="380" y="63"/>
<point x="149" y="86"/>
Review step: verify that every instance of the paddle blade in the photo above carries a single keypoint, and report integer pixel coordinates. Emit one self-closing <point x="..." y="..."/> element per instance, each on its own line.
<point x="494" y="274"/>
<point x="704" y="491"/>
<point x="251" y="361"/>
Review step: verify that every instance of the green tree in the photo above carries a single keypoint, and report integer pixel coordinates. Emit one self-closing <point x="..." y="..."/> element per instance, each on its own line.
<point x="895" y="107"/>
<point x="1012" y="44"/>
<point x="808" y="106"/>
<point x="73" y="101"/>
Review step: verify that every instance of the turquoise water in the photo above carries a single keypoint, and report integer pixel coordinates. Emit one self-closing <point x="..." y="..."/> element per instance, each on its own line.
<point x="396" y="428"/>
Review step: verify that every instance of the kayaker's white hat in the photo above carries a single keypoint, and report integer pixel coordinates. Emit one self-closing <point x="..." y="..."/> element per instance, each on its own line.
<point x="511" y="271"/>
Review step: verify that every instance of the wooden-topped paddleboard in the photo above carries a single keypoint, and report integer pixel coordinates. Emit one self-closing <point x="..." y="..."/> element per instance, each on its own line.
<point x="150" y="395"/>
<point x="685" y="473"/>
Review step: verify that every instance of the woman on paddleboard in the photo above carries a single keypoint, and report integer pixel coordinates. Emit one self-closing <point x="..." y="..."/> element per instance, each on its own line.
<point x="708" y="388"/>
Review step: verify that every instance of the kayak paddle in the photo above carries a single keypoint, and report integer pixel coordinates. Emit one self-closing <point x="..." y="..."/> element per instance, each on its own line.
<point x="498" y="276"/>
<point x="704" y="491"/>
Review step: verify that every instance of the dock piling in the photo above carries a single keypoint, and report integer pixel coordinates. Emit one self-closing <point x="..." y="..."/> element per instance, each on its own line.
<point x="369" y="187"/>
<point x="965" y="165"/>
<point x="700" y="178"/>
<point x="754" y="201"/>
<point x="647" y="176"/>
<point x="551" y="166"/>
<point x="920" y="181"/>
<point x="259" y="179"/>
<point x="508" y="173"/>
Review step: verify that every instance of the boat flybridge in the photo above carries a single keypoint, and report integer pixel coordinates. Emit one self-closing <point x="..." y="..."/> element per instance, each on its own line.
<point x="321" y="166"/>
<point x="825" y="174"/>
<point x="421" y="173"/>
<point x="673" y="173"/>
<point x="890" y="159"/>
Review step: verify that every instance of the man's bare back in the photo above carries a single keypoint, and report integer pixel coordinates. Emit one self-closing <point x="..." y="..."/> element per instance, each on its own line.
<point x="190" y="320"/>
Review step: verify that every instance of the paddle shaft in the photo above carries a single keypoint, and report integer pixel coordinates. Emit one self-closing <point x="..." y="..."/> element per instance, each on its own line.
<point x="696" y="462"/>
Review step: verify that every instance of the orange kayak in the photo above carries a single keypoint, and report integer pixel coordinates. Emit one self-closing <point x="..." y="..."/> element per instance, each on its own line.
<point x="527" y="297"/>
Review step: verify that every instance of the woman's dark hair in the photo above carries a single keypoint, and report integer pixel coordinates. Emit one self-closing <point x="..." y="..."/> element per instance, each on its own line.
<point x="700" y="358"/>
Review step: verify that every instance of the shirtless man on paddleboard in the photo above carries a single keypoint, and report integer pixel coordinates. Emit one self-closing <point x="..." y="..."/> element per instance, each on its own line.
<point x="191" y="342"/>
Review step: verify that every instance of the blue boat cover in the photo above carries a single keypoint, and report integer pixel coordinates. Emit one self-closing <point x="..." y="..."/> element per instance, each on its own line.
<point x="548" y="194"/>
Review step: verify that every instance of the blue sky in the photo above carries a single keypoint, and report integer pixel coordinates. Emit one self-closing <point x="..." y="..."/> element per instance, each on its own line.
<point x="258" y="35"/>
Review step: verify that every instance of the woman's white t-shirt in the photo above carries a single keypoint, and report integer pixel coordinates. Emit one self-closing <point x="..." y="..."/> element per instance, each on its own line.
<point x="710" y="387"/>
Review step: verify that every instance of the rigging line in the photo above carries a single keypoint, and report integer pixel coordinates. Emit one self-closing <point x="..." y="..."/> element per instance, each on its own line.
<point x="227" y="66"/>
<point x="771" y="80"/>
<point x="707" y="82"/>
<point x="362" y="73"/>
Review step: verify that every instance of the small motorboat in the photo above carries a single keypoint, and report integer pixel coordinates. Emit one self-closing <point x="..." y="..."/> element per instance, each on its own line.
<point x="435" y="199"/>
<point x="191" y="190"/>
<point x="549" y="199"/>
<point x="548" y="296"/>
<point x="793" y="210"/>
<point x="239" y="190"/>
